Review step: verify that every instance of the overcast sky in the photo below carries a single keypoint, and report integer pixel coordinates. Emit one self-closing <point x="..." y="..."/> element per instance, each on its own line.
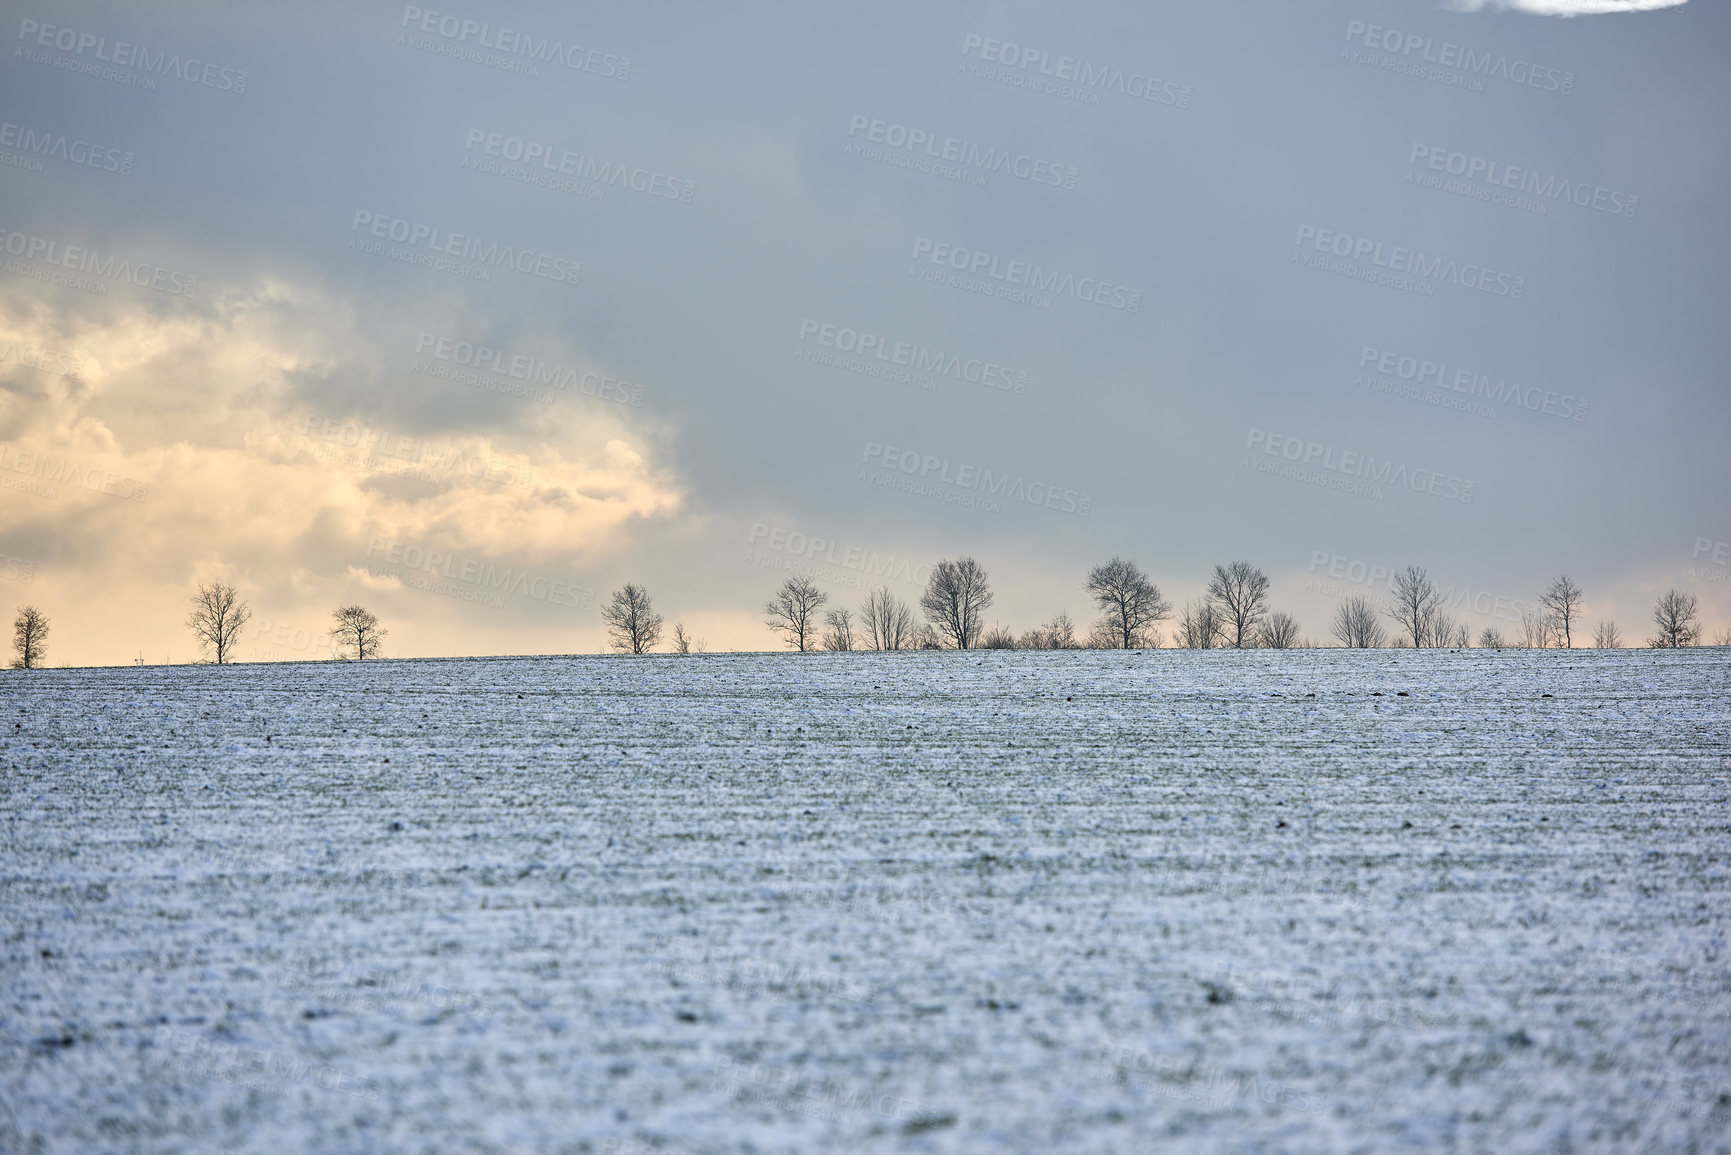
<point x="474" y="314"/>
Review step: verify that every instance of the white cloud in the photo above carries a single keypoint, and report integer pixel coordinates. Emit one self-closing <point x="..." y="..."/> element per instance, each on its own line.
<point x="146" y="452"/>
<point x="1564" y="7"/>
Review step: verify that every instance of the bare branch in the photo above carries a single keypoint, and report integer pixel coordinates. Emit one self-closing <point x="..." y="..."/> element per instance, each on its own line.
<point x="956" y="597"/>
<point x="1355" y="625"/>
<point x="633" y="626"/>
<point x="1562" y="600"/>
<point x="1674" y="614"/>
<point x="793" y="609"/>
<point x="1239" y="594"/>
<point x="1130" y="602"/>
<point x="357" y="628"/>
<point x="29" y="638"/>
<point x="216" y="619"/>
<point x="887" y="621"/>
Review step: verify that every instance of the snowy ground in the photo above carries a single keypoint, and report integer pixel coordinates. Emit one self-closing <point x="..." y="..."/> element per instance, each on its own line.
<point x="924" y="902"/>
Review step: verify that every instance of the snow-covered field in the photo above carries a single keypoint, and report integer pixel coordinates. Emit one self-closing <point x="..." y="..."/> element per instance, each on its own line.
<point x="1058" y="902"/>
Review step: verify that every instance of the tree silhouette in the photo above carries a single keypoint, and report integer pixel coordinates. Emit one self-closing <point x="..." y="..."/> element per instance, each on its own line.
<point x="887" y="621"/>
<point x="633" y="626"/>
<point x="793" y="611"/>
<point x="1355" y="625"/>
<point x="1279" y="632"/>
<point x="1130" y="602"/>
<point x="1674" y="614"/>
<point x="1239" y="593"/>
<point x="357" y="628"/>
<point x="956" y="597"/>
<point x="29" y="638"/>
<point x="1562" y="600"/>
<point x="1416" y="603"/>
<point x="839" y="635"/>
<point x="216" y="619"/>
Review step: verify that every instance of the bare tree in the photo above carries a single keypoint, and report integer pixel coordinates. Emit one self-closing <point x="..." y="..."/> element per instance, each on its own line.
<point x="956" y="596"/>
<point x="1490" y="639"/>
<point x="1061" y="632"/>
<point x="1279" y="632"/>
<point x="1101" y="636"/>
<point x="1538" y="630"/>
<point x="1723" y="637"/>
<point x="927" y="638"/>
<point x="1057" y="634"/>
<point x="998" y="638"/>
<point x="1674" y="614"/>
<point x="1562" y="600"/>
<point x="633" y="626"/>
<point x="1606" y="637"/>
<point x="683" y="642"/>
<point x="1130" y="602"/>
<point x="216" y="619"/>
<point x="793" y="611"/>
<point x="886" y="620"/>
<point x="29" y="638"/>
<point x="1199" y="627"/>
<point x="839" y="636"/>
<point x="1442" y="630"/>
<point x="1239" y="593"/>
<point x="1416" y="603"/>
<point x="357" y="628"/>
<point x="1355" y="625"/>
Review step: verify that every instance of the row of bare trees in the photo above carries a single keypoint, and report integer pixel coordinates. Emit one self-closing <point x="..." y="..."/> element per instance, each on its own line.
<point x="217" y="617"/>
<point x="1233" y="614"/>
<point x="1418" y="609"/>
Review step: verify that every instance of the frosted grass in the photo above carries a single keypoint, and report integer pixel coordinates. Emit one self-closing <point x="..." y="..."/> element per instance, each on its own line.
<point x="1312" y="900"/>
